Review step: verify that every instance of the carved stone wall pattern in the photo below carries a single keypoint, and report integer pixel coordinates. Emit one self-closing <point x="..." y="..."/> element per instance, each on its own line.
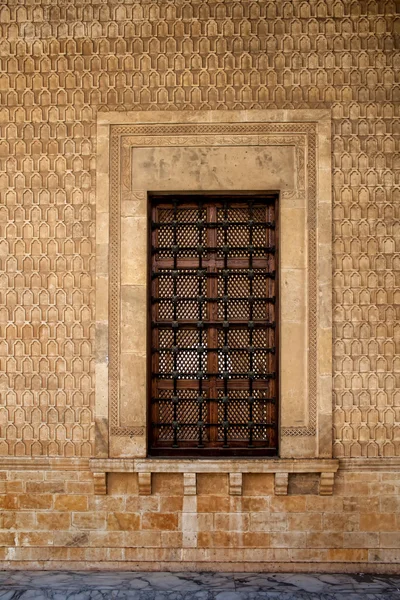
<point x="62" y="62"/>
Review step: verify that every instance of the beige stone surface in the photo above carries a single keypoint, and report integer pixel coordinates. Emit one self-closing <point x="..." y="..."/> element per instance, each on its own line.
<point x="148" y="523"/>
<point x="132" y="389"/>
<point x="293" y="295"/>
<point x="68" y="71"/>
<point x="90" y="63"/>
<point x="293" y="375"/>
<point x="293" y="228"/>
<point x="49" y="512"/>
<point x="133" y="317"/>
<point x="133" y="251"/>
<point x="204" y="168"/>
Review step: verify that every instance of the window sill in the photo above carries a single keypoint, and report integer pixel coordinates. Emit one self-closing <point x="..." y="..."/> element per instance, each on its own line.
<point x="235" y="467"/>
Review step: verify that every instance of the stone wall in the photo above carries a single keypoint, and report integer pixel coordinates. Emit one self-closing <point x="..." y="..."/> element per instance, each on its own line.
<point x="52" y="520"/>
<point x="63" y="61"/>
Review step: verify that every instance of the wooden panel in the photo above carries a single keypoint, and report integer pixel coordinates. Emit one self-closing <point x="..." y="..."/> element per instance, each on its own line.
<point x="214" y="331"/>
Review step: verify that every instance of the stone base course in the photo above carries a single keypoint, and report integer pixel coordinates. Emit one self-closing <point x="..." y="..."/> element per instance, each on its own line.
<point x="53" y="520"/>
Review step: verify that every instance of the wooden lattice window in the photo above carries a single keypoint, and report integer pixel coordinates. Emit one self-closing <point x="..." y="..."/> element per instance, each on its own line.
<point x="214" y="356"/>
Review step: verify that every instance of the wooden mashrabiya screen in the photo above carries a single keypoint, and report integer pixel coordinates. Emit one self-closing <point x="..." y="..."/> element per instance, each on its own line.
<point x="214" y="367"/>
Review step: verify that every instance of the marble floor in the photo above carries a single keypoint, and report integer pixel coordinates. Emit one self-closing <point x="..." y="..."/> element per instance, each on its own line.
<point x="200" y="586"/>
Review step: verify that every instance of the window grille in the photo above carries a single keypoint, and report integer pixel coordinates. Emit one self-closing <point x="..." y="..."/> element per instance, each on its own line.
<point x="214" y="368"/>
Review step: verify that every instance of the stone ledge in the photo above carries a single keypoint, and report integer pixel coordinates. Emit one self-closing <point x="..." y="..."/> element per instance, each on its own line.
<point x="214" y="116"/>
<point x="45" y="463"/>
<point x="233" y="465"/>
<point x="281" y="468"/>
<point x="380" y="463"/>
<point x="127" y="465"/>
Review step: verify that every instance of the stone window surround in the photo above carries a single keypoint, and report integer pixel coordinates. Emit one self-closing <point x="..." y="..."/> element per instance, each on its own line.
<point x="292" y="149"/>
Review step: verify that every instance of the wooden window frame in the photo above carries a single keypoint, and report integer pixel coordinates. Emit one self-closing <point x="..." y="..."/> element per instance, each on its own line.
<point x="215" y="447"/>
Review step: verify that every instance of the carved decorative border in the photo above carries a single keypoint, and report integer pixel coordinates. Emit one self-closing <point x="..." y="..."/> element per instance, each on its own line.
<point x="123" y="137"/>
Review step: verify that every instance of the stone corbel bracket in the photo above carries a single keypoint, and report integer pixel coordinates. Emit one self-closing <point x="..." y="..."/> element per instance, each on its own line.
<point x="281" y="484"/>
<point x="144" y="483"/>
<point x="189" y="484"/>
<point x="100" y="483"/>
<point x="235" y="468"/>
<point x="235" y="484"/>
<point x="326" y="482"/>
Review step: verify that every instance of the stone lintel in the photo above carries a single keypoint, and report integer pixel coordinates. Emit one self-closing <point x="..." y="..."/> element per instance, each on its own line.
<point x="229" y="465"/>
